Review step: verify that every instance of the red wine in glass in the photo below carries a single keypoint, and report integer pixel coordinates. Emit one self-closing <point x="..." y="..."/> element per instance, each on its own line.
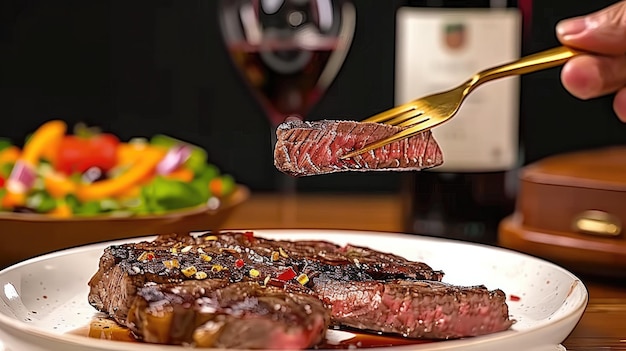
<point x="288" y="51"/>
<point x="286" y="79"/>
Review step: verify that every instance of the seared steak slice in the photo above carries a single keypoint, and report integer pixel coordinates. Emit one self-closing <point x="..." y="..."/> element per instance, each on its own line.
<point x="361" y="288"/>
<point x="416" y="309"/>
<point x="215" y="313"/>
<point x="306" y="148"/>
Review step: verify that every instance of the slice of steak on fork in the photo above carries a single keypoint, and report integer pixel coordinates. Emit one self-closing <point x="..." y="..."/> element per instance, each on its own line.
<point x="306" y="148"/>
<point x="359" y="287"/>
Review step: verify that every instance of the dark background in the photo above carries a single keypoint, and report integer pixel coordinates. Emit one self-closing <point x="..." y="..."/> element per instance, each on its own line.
<point x="137" y="68"/>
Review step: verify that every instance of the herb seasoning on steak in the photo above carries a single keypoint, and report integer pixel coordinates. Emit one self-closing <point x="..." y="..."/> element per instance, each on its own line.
<point x="305" y="148"/>
<point x="202" y="290"/>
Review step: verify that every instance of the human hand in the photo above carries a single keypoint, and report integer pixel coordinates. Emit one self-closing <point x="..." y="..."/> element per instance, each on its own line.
<point x="590" y="76"/>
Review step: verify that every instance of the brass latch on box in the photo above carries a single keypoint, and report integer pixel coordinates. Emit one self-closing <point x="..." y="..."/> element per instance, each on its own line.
<point x="596" y="222"/>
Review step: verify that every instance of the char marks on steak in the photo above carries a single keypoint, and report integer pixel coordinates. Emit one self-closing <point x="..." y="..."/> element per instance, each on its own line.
<point x="306" y="148"/>
<point x="197" y="289"/>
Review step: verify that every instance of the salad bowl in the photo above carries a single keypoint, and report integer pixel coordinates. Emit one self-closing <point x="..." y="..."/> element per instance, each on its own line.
<point x="27" y="235"/>
<point x="66" y="188"/>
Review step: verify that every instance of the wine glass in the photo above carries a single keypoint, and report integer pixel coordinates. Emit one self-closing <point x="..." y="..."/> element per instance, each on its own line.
<point x="287" y="51"/>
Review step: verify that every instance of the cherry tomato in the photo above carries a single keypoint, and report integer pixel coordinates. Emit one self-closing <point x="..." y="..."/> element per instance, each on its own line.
<point x="78" y="154"/>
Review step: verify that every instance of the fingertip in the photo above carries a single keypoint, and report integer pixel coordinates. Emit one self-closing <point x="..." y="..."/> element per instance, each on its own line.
<point x="599" y="32"/>
<point x="619" y="104"/>
<point x="581" y="78"/>
<point x="570" y="28"/>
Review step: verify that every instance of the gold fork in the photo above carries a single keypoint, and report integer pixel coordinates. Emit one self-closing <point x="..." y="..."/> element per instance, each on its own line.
<point x="430" y="111"/>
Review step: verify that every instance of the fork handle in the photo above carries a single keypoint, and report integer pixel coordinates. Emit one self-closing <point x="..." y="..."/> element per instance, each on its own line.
<point x="527" y="64"/>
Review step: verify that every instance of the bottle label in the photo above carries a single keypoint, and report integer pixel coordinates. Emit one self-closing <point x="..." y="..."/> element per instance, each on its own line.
<point x="438" y="49"/>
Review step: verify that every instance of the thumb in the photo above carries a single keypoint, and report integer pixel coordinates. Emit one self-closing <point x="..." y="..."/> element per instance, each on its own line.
<point x="602" y="32"/>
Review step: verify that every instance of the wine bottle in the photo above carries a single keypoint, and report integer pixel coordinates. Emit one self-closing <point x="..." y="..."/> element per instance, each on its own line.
<point x="440" y="44"/>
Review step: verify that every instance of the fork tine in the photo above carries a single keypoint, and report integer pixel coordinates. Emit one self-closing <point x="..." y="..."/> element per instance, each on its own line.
<point x="421" y="118"/>
<point x="416" y="129"/>
<point x="389" y="114"/>
<point x="404" y="117"/>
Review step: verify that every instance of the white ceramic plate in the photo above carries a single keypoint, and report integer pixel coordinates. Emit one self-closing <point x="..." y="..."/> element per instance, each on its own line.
<point x="44" y="298"/>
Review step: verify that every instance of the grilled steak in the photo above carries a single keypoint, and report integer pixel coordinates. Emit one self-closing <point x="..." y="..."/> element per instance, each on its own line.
<point x="309" y="148"/>
<point x="236" y="257"/>
<point x="198" y="289"/>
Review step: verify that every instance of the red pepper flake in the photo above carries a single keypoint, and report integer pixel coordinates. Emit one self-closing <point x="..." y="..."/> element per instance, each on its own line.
<point x="2" y="181"/>
<point x="275" y="282"/>
<point x="249" y="235"/>
<point x="288" y="274"/>
<point x="239" y="263"/>
<point x="514" y="298"/>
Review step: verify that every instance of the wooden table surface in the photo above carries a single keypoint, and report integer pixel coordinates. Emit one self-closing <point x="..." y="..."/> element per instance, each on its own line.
<point x="602" y="327"/>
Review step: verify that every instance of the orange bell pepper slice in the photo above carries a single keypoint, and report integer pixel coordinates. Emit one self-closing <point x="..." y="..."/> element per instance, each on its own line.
<point x="45" y="138"/>
<point x="143" y="167"/>
<point x="58" y="186"/>
<point x="129" y="153"/>
<point x="11" y="200"/>
<point x="61" y="211"/>
<point x="10" y="155"/>
<point x="182" y="174"/>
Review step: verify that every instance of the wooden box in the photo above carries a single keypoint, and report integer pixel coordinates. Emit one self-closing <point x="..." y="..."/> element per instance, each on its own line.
<point x="571" y="209"/>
